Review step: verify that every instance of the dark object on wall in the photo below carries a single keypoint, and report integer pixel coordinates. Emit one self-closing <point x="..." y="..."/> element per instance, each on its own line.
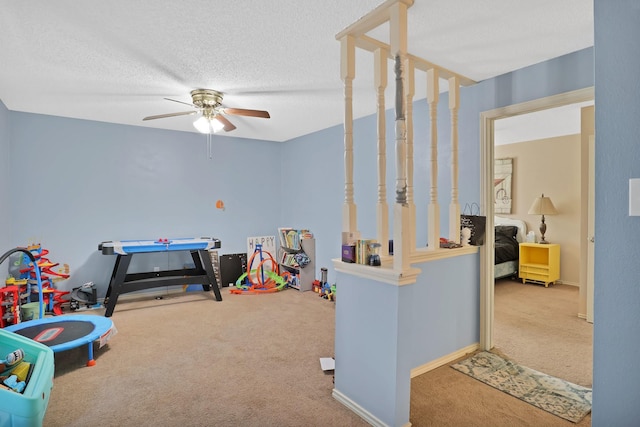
<point x="232" y="266"/>
<point x="475" y="222"/>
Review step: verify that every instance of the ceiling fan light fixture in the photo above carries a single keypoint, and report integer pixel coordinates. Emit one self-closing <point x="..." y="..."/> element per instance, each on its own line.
<point x="216" y="125"/>
<point x="205" y="125"/>
<point x="202" y="125"/>
<point x="208" y="103"/>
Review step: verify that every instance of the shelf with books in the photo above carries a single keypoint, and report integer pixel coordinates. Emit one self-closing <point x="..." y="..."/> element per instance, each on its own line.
<point x="297" y="256"/>
<point x="359" y="251"/>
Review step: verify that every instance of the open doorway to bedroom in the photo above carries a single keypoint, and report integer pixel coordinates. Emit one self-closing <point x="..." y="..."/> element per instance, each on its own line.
<point x="540" y="327"/>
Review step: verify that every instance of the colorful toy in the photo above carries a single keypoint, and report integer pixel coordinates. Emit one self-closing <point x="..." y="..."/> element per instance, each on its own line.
<point x="259" y="280"/>
<point x="14" y="357"/>
<point x="328" y="291"/>
<point x="27" y="268"/>
<point x="325" y="291"/>
<point x="15" y="385"/>
<point x="10" y="305"/>
<point x="11" y="359"/>
<point x="323" y="288"/>
<point x="12" y="281"/>
<point x="13" y="295"/>
<point x="54" y="300"/>
<point x="40" y="280"/>
<point x="16" y="369"/>
<point x="21" y="370"/>
<point x="274" y="284"/>
<point x="291" y="278"/>
<point x="317" y="286"/>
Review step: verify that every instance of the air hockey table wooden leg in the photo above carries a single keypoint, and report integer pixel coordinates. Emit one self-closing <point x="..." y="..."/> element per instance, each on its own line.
<point x="117" y="280"/>
<point x="204" y="259"/>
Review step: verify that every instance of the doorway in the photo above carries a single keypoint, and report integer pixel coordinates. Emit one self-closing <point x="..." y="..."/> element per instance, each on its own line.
<point x="488" y="119"/>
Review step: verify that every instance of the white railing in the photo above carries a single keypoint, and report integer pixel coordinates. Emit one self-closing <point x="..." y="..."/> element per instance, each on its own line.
<point x="394" y="12"/>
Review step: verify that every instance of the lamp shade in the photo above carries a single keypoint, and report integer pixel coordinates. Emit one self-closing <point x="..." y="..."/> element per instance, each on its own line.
<point x="542" y="206"/>
<point x="206" y="125"/>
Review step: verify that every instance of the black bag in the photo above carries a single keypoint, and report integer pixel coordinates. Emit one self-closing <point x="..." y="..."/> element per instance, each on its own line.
<point x="476" y="223"/>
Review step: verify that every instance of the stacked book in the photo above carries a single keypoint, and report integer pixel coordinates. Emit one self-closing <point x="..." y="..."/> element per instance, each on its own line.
<point x="290" y="238"/>
<point x="357" y="251"/>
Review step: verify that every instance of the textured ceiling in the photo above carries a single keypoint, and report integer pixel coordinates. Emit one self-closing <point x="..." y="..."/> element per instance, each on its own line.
<point x="115" y="61"/>
<point x="548" y="123"/>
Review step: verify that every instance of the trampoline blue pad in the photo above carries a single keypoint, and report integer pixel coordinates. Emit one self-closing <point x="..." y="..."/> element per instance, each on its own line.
<point x="65" y="332"/>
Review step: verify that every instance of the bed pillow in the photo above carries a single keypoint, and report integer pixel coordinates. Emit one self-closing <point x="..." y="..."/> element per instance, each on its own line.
<point x="509" y="231"/>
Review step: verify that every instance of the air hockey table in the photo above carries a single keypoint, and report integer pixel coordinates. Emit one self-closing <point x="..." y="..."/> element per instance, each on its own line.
<point x="123" y="282"/>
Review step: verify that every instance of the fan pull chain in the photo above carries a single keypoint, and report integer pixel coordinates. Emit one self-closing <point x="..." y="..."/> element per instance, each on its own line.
<point x="209" y="150"/>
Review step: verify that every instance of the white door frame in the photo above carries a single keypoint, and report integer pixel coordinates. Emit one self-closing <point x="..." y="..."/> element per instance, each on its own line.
<point x="487" y="120"/>
<point x="591" y="227"/>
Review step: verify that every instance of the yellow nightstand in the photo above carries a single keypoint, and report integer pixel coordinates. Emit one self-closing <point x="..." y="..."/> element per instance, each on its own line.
<point x="539" y="263"/>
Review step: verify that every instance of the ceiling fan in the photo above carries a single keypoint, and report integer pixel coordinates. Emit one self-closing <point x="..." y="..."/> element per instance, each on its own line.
<point x="208" y="102"/>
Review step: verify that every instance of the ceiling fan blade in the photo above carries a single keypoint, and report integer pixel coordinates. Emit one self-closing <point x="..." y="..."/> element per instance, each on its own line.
<point x="180" y="102"/>
<point x="244" y="112"/>
<point x="162" y="116"/>
<point x="228" y="126"/>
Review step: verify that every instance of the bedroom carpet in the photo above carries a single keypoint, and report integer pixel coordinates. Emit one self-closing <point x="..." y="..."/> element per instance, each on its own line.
<point x="559" y="397"/>
<point x="539" y="327"/>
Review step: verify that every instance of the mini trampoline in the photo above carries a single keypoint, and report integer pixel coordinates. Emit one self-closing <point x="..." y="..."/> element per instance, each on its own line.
<point x="67" y="331"/>
<point x="64" y="332"/>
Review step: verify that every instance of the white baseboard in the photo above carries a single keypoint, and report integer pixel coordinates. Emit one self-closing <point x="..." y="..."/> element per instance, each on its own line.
<point x="360" y="411"/>
<point x="564" y="282"/>
<point x="443" y="360"/>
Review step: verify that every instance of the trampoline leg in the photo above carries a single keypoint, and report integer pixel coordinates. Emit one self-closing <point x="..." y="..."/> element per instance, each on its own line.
<point x="91" y="362"/>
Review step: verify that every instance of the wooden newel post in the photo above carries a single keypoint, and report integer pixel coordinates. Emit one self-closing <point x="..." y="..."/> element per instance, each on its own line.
<point x="347" y="73"/>
<point x="382" y="207"/>
<point x="454" y="206"/>
<point x="433" y="209"/>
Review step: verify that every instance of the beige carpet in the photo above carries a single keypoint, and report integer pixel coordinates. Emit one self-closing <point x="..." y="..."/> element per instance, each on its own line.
<point x="250" y="360"/>
<point x="539" y="328"/>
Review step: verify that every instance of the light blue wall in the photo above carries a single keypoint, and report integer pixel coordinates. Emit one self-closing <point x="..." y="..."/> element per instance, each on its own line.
<point x="311" y="193"/>
<point x="444" y="308"/>
<point x="5" y="223"/>
<point x="616" y="379"/>
<point x="372" y="366"/>
<point x="76" y="183"/>
<point x="383" y="331"/>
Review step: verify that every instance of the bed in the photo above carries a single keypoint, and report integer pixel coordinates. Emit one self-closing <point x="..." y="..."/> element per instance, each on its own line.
<point x="509" y="232"/>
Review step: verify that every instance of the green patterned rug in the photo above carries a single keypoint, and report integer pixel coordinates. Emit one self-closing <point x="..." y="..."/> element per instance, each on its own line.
<point x="559" y="397"/>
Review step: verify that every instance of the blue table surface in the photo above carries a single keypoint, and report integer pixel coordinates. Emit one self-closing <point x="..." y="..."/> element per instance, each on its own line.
<point x="124" y="247"/>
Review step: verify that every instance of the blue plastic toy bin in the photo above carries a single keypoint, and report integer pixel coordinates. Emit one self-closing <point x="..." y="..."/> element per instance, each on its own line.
<point x="28" y="408"/>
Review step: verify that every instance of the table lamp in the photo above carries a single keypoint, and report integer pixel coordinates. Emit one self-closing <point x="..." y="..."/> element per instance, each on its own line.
<point x="542" y="206"/>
